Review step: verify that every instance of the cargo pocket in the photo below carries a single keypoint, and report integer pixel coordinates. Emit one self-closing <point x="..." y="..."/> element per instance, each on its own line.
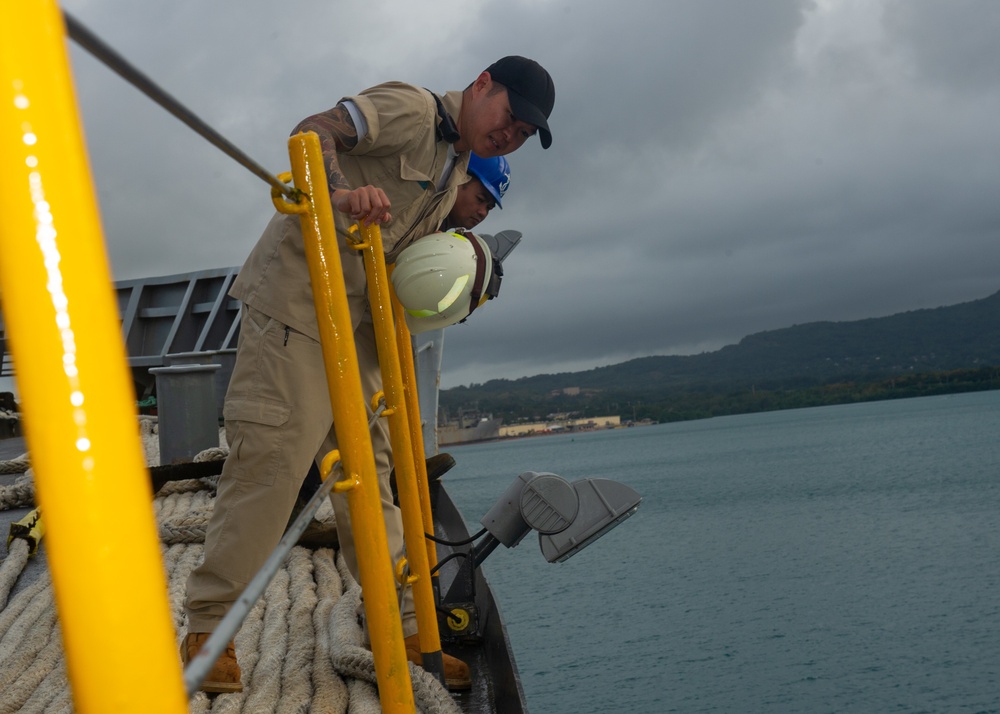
<point x="255" y="429"/>
<point x="258" y="320"/>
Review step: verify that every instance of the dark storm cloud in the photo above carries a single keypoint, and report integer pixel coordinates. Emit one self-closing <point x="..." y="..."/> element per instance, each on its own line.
<point x="718" y="168"/>
<point x="953" y="44"/>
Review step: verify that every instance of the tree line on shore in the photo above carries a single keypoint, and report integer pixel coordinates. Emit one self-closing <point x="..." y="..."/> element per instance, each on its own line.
<point x="918" y="353"/>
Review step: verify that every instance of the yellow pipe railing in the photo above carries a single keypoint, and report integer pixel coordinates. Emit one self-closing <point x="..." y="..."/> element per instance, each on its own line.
<point x="404" y="346"/>
<point x="351" y="423"/>
<point x="77" y="397"/>
<point x="402" y="446"/>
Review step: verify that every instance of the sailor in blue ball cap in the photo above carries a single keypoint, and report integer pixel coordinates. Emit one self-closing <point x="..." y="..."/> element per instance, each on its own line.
<point x="488" y="182"/>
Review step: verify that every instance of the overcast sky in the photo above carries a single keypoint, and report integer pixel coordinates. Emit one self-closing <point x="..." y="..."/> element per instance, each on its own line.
<point x="718" y="167"/>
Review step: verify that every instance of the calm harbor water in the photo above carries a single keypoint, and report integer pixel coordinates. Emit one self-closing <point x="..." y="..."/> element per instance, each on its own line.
<point x="837" y="559"/>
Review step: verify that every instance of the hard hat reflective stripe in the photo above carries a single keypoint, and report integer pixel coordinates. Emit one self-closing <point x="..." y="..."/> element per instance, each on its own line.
<point x="421" y="313"/>
<point x="452" y="295"/>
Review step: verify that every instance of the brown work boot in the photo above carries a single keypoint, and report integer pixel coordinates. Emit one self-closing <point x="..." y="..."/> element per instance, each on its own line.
<point x="456" y="672"/>
<point x="225" y="675"/>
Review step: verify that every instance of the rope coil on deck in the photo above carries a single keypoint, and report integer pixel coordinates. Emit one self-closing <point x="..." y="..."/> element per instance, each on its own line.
<point x="300" y="648"/>
<point x="20" y="494"/>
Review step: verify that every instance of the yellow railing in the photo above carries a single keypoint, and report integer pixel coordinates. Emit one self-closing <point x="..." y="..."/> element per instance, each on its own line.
<point x="78" y="404"/>
<point x="350" y="423"/>
<point x="404" y="346"/>
<point x="402" y="440"/>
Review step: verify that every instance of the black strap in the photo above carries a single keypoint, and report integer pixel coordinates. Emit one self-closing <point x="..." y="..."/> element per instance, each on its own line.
<point x="446" y="129"/>
<point x="491" y="289"/>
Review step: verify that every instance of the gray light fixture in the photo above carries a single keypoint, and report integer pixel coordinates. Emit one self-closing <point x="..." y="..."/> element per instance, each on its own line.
<point x="568" y="516"/>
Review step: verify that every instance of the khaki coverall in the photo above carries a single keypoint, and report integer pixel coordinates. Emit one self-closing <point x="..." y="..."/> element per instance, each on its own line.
<point x="277" y="410"/>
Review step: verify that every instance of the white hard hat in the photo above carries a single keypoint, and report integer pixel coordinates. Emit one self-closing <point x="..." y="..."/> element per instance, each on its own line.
<point x="441" y="278"/>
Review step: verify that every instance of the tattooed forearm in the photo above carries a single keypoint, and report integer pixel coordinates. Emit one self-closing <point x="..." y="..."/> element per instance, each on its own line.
<point x="334" y="127"/>
<point x="336" y="132"/>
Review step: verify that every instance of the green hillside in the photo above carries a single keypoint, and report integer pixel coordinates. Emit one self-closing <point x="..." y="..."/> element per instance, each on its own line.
<point x="946" y="349"/>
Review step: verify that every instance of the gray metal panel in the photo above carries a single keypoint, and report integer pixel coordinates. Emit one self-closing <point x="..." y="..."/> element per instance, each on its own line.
<point x="177" y="313"/>
<point x="6" y="363"/>
<point x="234" y="329"/>
<point x="167" y="314"/>
<point x="216" y="330"/>
<point x="178" y="336"/>
<point x="428" y="353"/>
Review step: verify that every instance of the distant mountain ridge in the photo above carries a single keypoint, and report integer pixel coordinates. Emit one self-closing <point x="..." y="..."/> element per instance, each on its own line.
<point x="963" y="336"/>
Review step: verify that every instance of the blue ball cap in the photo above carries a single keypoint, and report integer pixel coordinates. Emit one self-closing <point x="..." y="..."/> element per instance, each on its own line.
<point x="494" y="173"/>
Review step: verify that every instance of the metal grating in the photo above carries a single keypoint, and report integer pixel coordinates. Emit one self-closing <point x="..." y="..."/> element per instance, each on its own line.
<point x="189" y="312"/>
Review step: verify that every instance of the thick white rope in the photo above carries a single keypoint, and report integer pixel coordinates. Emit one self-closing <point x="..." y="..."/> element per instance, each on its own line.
<point x="353" y="660"/>
<point x="299" y="649"/>
<point x="11" y="567"/>
<point x="15" y="466"/>
<point x="20" y="494"/>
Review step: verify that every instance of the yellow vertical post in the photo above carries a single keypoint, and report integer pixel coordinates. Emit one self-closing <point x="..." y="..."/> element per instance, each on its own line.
<point x="351" y="425"/>
<point x="402" y="446"/>
<point x="404" y="345"/>
<point x="77" y="396"/>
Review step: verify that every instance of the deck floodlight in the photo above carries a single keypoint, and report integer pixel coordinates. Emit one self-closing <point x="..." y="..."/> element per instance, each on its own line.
<point x="568" y="516"/>
<point x="603" y="505"/>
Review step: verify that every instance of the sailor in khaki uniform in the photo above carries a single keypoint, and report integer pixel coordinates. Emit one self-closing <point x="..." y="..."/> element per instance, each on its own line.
<point x="396" y="155"/>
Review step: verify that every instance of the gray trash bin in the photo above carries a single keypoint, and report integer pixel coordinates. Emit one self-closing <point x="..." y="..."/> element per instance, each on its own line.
<point x="187" y="409"/>
<point x="225" y="358"/>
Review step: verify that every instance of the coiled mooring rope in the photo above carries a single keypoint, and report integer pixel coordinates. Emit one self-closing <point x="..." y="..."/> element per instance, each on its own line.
<point x="300" y="648"/>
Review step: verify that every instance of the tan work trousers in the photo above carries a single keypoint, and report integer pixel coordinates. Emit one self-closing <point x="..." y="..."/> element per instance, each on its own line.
<point x="278" y="420"/>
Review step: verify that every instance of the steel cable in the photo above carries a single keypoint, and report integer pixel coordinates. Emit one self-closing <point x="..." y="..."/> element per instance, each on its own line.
<point x="114" y="61"/>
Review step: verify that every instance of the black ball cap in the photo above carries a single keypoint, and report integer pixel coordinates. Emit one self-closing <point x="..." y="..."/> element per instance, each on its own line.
<point x="530" y="90"/>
